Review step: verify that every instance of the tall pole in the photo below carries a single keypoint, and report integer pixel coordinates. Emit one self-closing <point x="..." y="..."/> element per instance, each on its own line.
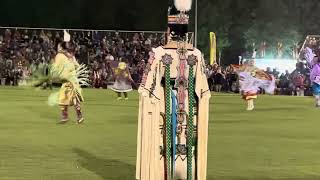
<point x="196" y="24"/>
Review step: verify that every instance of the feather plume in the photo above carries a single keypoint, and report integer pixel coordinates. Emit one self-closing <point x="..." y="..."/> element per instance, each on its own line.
<point x="66" y="36"/>
<point x="183" y="5"/>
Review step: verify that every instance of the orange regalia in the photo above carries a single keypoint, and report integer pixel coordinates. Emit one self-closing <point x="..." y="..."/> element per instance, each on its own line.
<point x="252" y="80"/>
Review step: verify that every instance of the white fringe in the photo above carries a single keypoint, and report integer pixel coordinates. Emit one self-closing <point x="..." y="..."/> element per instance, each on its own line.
<point x="82" y="74"/>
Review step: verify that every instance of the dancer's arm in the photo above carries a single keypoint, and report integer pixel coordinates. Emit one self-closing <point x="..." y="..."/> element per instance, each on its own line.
<point x="309" y="56"/>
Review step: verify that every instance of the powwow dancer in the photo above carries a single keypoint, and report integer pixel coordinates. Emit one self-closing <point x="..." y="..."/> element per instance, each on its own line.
<point x="314" y="63"/>
<point x="251" y="80"/>
<point x="123" y="81"/>
<point x="66" y="70"/>
<point x="174" y="107"/>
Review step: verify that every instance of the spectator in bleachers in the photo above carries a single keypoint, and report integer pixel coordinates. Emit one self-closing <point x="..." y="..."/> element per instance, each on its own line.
<point x="210" y="73"/>
<point x="232" y="78"/>
<point x="284" y="84"/>
<point x="219" y="79"/>
<point x="275" y="73"/>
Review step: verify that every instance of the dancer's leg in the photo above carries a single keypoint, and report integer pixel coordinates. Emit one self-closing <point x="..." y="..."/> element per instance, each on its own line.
<point x="317" y="100"/>
<point x="125" y="95"/>
<point x="119" y="96"/>
<point x="77" y="107"/>
<point x="64" y="114"/>
<point x="250" y="104"/>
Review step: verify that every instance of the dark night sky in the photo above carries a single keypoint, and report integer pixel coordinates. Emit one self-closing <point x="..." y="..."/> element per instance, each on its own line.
<point x="90" y="14"/>
<point x="271" y="20"/>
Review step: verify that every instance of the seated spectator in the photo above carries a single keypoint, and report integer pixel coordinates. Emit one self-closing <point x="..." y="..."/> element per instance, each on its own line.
<point x="232" y="78"/>
<point x="275" y="73"/>
<point x="298" y="82"/>
<point x="268" y="71"/>
<point x="284" y="84"/>
<point x="210" y="73"/>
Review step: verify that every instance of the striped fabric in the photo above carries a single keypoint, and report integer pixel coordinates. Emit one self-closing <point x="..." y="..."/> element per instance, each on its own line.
<point x="178" y="19"/>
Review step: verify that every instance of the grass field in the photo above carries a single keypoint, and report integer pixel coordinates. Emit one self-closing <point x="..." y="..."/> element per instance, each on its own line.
<point x="279" y="140"/>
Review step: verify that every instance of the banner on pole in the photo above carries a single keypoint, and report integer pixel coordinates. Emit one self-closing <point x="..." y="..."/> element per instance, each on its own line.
<point x="213" y="48"/>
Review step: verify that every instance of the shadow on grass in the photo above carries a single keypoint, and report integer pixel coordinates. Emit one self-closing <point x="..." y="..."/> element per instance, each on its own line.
<point x="274" y="109"/>
<point x="230" y="121"/>
<point x="112" y="105"/>
<point x="108" y="169"/>
<point x="262" y="178"/>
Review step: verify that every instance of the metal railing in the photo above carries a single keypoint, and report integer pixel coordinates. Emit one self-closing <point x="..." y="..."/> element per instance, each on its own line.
<point x="190" y="35"/>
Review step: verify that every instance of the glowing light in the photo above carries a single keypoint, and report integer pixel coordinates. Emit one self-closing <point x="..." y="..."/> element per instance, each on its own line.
<point x="281" y="65"/>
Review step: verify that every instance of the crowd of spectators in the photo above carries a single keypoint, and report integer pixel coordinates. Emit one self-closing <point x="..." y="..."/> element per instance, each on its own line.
<point x="23" y="51"/>
<point x="222" y="79"/>
<point x="295" y="83"/>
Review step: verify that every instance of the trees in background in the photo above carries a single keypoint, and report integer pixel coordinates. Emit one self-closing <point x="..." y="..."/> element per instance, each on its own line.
<point x="247" y="24"/>
<point x="277" y="26"/>
<point x="238" y="24"/>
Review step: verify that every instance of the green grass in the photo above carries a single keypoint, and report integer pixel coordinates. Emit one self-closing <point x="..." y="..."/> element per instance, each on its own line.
<point x="279" y="140"/>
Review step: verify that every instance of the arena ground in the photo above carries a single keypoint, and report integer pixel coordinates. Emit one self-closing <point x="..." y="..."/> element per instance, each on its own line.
<point x="279" y="140"/>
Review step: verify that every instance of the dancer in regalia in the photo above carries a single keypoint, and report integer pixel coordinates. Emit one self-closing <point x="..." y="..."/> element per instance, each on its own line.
<point x="314" y="63"/>
<point x="251" y="80"/>
<point x="174" y="107"/>
<point x="66" y="70"/>
<point x="123" y="81"/>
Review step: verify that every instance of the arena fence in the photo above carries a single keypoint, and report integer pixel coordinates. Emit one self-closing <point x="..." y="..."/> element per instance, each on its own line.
<point x="126" y="33"/>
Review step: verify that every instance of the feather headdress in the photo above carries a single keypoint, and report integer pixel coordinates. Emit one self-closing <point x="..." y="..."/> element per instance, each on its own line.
<point x="183" y="5"/>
